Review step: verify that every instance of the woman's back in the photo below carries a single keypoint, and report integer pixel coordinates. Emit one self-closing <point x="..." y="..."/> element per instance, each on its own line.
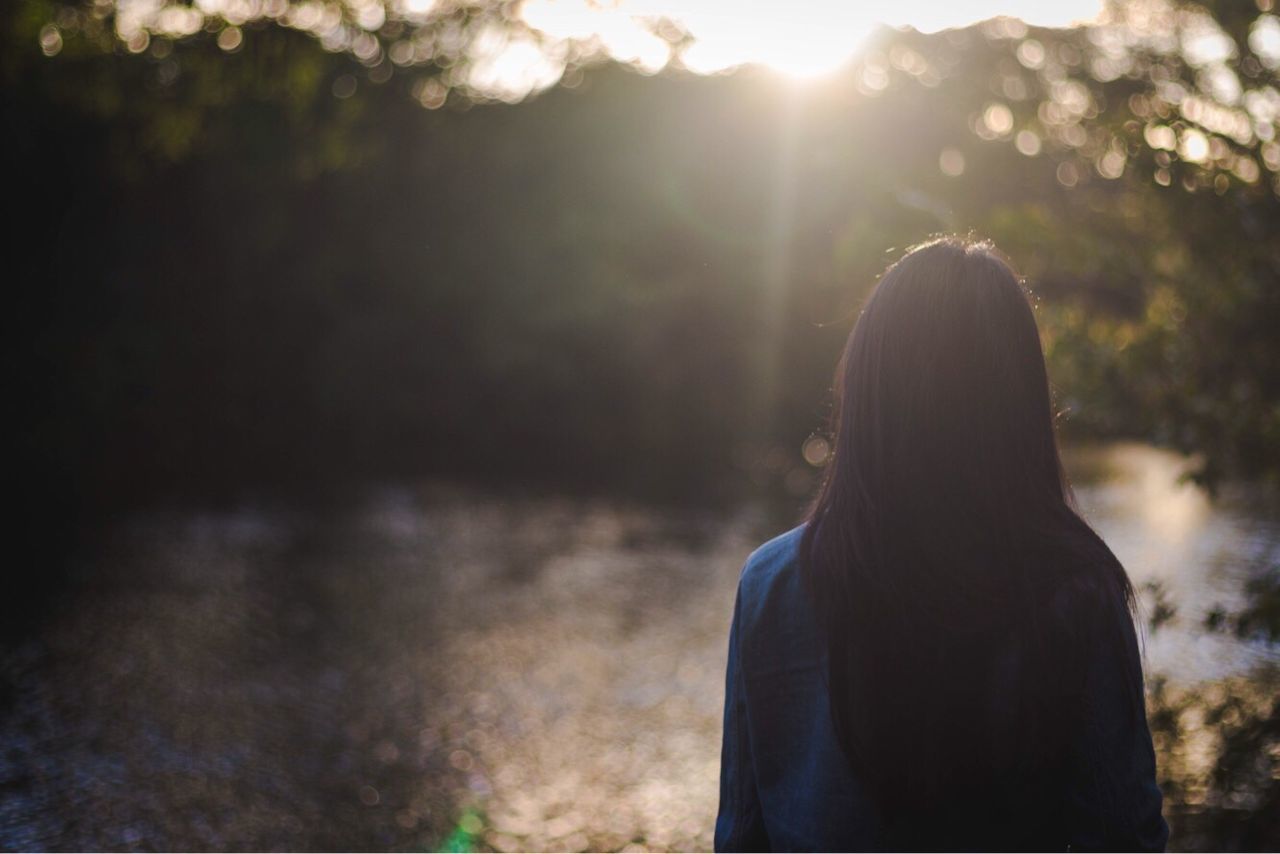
<point x="786" y="785"/>
<point x="943" y="655"/>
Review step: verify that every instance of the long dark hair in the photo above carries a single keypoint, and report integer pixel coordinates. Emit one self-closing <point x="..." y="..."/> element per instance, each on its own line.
<point x="943" y="553"/>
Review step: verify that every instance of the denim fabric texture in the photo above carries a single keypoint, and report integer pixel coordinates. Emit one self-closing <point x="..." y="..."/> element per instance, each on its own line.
<point x="785" y="784"/>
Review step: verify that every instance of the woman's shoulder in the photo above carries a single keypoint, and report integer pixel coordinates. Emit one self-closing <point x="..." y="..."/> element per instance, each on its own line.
<point x="770" y="577"/>
<point x="773" y="558"/>
<point x="1090" y="604"/>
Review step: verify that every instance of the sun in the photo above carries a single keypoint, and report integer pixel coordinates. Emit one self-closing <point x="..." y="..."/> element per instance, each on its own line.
<point x="809" y="60"/>
<point x="792" y="39"/>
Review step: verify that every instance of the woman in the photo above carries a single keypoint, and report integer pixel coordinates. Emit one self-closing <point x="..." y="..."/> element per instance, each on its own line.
<point x="943" y="655"/>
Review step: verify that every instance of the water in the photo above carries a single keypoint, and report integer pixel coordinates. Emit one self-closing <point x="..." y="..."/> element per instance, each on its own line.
<point x="433" y="667"/>
<point x="1182" y="549"/>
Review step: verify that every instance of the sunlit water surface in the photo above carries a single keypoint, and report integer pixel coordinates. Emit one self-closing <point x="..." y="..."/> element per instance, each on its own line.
<point x="439" y="668"/>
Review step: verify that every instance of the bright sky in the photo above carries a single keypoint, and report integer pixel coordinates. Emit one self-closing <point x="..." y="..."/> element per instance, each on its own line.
<point x="801" y="38"/>
<point x="797" y="37"/>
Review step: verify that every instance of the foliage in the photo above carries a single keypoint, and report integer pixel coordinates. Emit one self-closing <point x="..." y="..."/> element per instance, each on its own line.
<point x="256" y="260"/>
<point x="1219" y="744"/>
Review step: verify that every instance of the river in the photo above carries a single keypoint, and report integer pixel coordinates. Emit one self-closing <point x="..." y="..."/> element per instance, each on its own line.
<point x="439" y="667"/>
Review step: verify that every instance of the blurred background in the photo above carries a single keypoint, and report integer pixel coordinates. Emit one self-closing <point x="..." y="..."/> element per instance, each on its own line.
<point x="397" y="386"/>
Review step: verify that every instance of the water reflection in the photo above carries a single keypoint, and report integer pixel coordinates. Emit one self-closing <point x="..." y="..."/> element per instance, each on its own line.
<point x="1212" y="690"/>
<point x="1183" y="550"/>
<point x="433" y="667"/>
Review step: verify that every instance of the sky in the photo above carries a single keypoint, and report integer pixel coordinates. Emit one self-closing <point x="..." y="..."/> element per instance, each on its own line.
<point x="798" y="38"/>
<point x="801" y="38"/>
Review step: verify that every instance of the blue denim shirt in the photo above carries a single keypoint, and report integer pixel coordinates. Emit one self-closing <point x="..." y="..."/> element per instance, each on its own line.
<point x="784" y="781"/>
